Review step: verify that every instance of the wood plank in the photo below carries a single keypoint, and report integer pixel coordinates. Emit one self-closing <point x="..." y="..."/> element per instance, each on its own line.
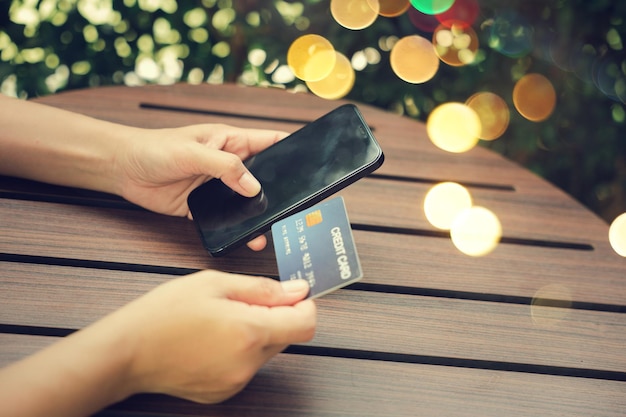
<point x="522" y="215"/>
<point x="515" y="270"/>
<point x="138" y="237"/>
<point x="322" y="386"/>
<point x="50" y="296"/>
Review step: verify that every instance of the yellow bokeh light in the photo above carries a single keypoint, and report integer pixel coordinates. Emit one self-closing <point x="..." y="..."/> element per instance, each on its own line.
<point x="476" y="231"/>
<point x="493" y="113"/>
<point x="444" y="202"/>
<point x="195" y="17"/>
<point x="617" y="234"/>
<point x="81" y="67"/>
<point x="354" y="14"/>
<point x="223" y="18"/>
<point x="534" y="97"/>
<point x="453" y="127"/>
<point x="414" y="60"/>
<point x="311" y="57"/>
<point x="338" y="83"/>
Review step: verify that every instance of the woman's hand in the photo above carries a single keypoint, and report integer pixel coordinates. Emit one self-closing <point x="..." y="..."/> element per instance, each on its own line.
<point x="201" y="337"/>
<point x="158" y="168"/>
<point x="204" y="336"/>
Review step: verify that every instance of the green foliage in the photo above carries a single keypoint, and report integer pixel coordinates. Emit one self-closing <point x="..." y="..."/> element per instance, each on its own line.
<point x="52" y="45"/>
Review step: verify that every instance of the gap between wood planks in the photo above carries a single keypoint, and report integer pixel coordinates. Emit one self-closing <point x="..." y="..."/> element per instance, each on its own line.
<point x="358" y="354"/>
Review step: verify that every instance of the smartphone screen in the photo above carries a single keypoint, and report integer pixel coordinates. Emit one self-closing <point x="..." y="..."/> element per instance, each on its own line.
<point x="299" y="171"/>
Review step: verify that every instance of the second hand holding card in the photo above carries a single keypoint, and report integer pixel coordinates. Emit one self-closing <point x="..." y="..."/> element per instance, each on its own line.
<point x="317" y="245"/>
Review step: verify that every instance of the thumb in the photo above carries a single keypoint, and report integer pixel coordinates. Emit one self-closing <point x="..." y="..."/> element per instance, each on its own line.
<point x="229" y="168"/>
<point x="289" y="320"/>
<point x="266" y="291"/>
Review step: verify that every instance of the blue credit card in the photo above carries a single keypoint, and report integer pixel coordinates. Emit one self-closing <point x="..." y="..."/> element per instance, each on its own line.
<point x="317" y="245"/>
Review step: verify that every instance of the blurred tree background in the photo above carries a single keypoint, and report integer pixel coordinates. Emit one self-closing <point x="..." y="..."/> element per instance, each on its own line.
<point x="53" y="45"/>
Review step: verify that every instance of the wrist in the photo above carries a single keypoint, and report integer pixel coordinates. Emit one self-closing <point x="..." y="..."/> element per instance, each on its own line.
<point x="109" y="358"/>
<point x="72" y="150"/>
<point x="76" y="376"/>
<point x="113" y="161"/>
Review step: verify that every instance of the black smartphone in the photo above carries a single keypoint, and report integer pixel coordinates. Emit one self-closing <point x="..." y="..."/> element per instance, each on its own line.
<point x="295" y="173"/>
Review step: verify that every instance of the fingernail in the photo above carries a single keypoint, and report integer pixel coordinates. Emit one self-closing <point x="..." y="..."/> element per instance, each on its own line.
<point x="250" y="184"/>
<point x="295" y="286"/>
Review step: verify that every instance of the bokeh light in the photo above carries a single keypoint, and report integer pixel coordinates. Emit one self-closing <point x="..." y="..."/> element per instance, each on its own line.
<point x="422" y="21"/>
<point x="432" y="6"/>
<point x="493" y="113"/>
<point x="534" y="97"/>
<point x="550" y="305"/>
<point x="444" y="202"/>
<point x="338" y="83"/>
<point x="257" y="57"/>
<point x="453" y="127"/>
<point x="456" y="45"/>
<point x="354" y="14"/>
<point x="282" y="75"/>
<point x="414" y="60"/>
<point x="311" y="57"/>
<point x="368" y="56"/>
<point x="223" y="18"/>
<point x="511" y="35"/>
<point x="462" y="12"/>
<point x="393" y="8"/>
<point x="617" y="235"/>
<point x="476" y="231"/>
<point x="608" y="76"/>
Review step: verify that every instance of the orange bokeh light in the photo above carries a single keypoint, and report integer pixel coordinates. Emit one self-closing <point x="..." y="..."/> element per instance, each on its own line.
<point x="534" y="97"/>
<point x="455" y="44"/>
<point x="493" y="113"/>
<point x="393" y="8"/>
<point x="414" y="60"/>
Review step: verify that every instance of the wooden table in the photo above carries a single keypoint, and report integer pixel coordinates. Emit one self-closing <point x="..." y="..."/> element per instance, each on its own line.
<point x="429" y="331"/>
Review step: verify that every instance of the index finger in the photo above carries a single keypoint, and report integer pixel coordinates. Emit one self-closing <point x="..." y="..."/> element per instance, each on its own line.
<point x="226" y="166"/>
<point x="291" y="324"/>
<point x="253" y="141"/>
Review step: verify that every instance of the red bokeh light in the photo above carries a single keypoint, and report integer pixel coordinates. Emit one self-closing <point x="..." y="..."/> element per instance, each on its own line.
<point x="465" y="11"/>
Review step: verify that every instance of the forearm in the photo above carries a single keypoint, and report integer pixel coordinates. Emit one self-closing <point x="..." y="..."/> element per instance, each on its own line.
<point x="52" y="145"/>
<point x="77" y="376"/>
